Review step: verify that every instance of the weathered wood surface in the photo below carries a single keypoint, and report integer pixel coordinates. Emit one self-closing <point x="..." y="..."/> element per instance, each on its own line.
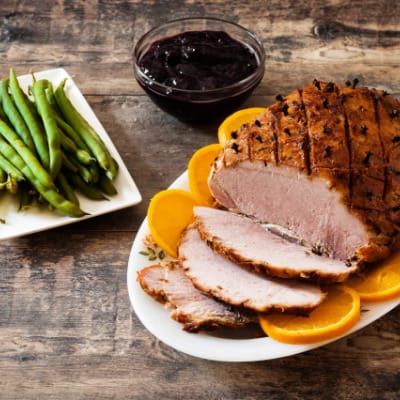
<point x="67" y="330"/>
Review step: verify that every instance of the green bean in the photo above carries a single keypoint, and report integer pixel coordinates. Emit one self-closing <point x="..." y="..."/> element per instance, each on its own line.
<point x="31" y="118"/>
<point x="30" y="103"/>
<point x="67" y="163"/>
<point x="3" y="116"/>
<point x="87" y="133"/>
<point x="83" y="156"/>
<point x="51" y="99"/>
<point x="69" y="145"/>
<point x="115" y="165"/>
<point x="10" y="169"/>
<point x="82" y="170"/>
<point x="94" y="170"/>
<point x="66" y="189"/>
<point x="87" y="173"/>
<point x="58" y="201"/>
<point x="106" y="186"/>
<point x="71" y="133"/>
<point x="28" y="157"/>
<point x="14" y="116"/>
<point x="11" y="155"/>
<point x="89" y="191"/>
<point x="50" y="126"/>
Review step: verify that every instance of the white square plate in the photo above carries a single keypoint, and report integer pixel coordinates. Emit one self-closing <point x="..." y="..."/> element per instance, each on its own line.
<point x="36" y="219"/>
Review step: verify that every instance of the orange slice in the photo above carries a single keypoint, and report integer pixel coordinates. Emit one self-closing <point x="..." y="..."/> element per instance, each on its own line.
<point x="333" y="317"/>
<point x="198" y="171"/>
<point x="234" y="121"/>
<point x="169" y="213"/>
<point x="380" y="283"/>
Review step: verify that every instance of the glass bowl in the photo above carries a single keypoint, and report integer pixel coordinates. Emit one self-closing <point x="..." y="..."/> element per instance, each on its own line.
<point x="205" y="104"/>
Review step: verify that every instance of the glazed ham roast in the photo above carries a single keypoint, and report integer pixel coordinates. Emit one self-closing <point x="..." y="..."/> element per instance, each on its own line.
<point x="324" y="163"/>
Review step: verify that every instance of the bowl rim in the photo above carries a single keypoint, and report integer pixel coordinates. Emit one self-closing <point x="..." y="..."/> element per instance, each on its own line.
<point x="243" y="84"/>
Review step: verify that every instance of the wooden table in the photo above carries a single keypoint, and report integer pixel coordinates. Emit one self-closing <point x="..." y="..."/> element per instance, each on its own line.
<point x="67" y="329"/>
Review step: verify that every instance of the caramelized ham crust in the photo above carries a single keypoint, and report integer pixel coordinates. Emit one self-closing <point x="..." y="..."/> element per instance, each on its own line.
<point x="169" y="285"/>
<point x="328" y="171"/>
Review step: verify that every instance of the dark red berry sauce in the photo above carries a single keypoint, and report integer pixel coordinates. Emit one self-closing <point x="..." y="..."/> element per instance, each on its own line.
<point x="198" y="60"/>
<point x="179" y="71"/>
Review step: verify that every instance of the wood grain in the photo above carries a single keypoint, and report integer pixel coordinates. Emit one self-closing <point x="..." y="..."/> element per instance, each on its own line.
<point x="66" y="325"/>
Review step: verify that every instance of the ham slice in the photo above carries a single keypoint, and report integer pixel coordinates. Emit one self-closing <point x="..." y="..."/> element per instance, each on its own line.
<point x="227" y="281"/>
<point x="170" y="286"/>
<point x="248" y="243"/>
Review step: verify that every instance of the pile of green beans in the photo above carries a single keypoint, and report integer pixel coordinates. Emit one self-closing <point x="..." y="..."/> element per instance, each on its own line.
<point x="48" y="151"/>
